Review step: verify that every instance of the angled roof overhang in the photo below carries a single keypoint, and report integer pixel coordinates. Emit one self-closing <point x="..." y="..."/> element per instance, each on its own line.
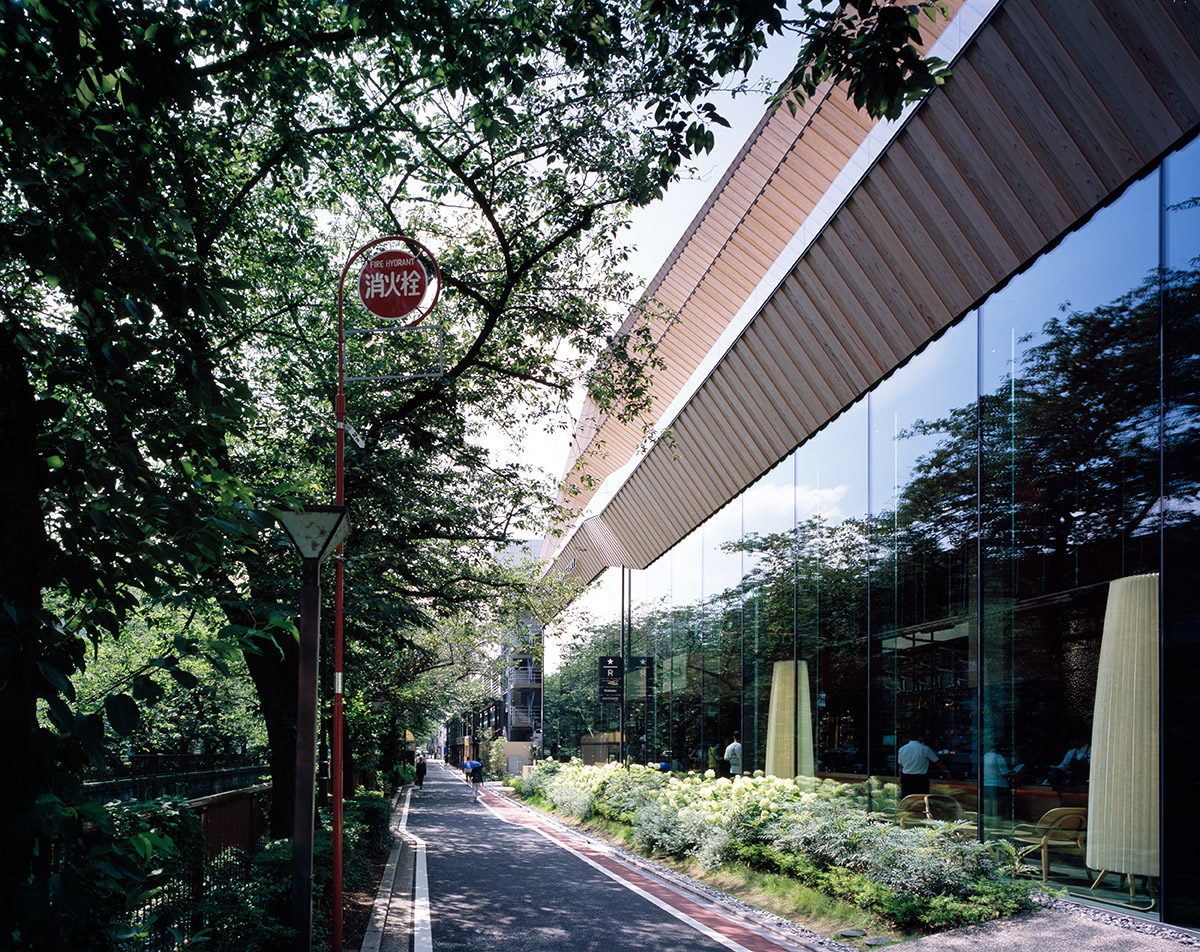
<point x="1052" y="109"/>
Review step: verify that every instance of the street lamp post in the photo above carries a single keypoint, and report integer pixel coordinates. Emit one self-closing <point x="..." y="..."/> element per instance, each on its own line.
<point x="315" y="532"/>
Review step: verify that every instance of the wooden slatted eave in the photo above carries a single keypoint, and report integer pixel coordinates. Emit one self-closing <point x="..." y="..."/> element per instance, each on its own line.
<point x="933" y="237"/>
<point x="942" y="176"/>
<point x="1074" y="177"/>
<point x="1031" y="37"/>
<point x="744" y="444"/>
<point x="652" y="512"/>
<point x="983" y="175"/>
<point x="839" y="334"/>
<point x="1031" y="184"/>
<point x="819" y="138"/>
<point x="833" y="383"/>
<point x="1054" y="112"/>
<point x="796" y="369"/>
<point x="698" y="452"/>
<point x="889" y="270"/>
<point x="749" y="375"/>
<point x="648" y="521"/>
<point x="769" y="377"/>
<point x="721" y="292"/>
<point x="887" y="307"/>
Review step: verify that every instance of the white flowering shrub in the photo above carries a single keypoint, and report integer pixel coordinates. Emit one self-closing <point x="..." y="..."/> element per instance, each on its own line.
<point x="573" y="789"/>
<point x="623" y="791"/>
<point x="919" y="861"/>
<point x="534" y="785"/>
<point x="804" y="823"/>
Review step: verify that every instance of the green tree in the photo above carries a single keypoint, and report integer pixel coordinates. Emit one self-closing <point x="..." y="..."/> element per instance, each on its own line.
<point x="169" y="173"/>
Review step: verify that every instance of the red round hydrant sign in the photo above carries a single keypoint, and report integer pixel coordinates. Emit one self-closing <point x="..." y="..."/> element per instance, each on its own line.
<point x="392" y="284"/>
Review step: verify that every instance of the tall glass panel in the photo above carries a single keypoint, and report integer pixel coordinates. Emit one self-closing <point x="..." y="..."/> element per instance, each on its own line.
<point x="652" y="613"/>
<point x="687" y="638"/>
<point x="1181" y="536"/>
<point x="1069" y="423"/>
<point x="578" y="723"/>
<point x="639" y="681"/>
<point x="832" y="549"/>
<point x="776" y="700"/>
<point x="722" y="612"/>
<point x="922" y="606"/>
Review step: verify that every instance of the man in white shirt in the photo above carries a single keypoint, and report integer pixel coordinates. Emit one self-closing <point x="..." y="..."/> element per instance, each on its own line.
<point x="996" y="778"/>
<point x="915" y="759"/>
<point x="733" y="754"/>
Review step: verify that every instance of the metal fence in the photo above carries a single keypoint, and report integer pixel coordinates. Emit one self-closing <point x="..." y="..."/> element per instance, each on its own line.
<point x="186" y="777"/>
<point x="233" y="824"/>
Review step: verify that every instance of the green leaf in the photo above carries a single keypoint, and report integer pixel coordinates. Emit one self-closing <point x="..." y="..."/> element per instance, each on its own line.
<point x="58" y="679"/>
<point x="123" y="713"/>
<point x="185" y="678"/>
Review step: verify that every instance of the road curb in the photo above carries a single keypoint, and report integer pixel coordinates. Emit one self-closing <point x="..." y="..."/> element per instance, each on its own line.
<point x="376" y="928"/>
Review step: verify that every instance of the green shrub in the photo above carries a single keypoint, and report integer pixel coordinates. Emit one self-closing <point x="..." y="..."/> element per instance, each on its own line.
<point x="373" y="811"/>
<point x="815" y="830"/>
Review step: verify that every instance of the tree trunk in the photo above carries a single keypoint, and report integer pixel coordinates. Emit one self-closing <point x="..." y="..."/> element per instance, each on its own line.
<point x="23" y="574"/>
<point x="275" y="679"/>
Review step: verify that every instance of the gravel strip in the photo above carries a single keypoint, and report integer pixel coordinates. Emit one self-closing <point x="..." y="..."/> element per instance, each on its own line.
<point x="1120" y="920"/>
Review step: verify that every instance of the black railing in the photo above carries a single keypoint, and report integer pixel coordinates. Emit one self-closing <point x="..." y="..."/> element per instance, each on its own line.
<point x="160" y="777"/>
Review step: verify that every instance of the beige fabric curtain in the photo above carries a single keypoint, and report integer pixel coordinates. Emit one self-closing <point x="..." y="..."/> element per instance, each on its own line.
<point x="1123" y="820"/>
<point x="790" y="711"/>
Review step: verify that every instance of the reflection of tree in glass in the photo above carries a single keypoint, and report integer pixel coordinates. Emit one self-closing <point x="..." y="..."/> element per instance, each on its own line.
<point x="1069" y="446"/>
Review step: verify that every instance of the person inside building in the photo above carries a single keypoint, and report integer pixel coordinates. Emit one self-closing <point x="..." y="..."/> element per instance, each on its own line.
<point x="1075" y="766"/>
<point x="733" y="756"/>
<point x="997" y="781"/>
<point x="915" y="759"/>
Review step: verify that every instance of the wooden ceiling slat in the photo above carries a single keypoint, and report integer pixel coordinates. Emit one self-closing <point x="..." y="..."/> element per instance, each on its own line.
<point x="942" y="176"/>
<point x="1034" y="40"/>
<point x="720" y="441"/>
<point x="981" y="171"/>
<point x="838" y="317"/>
<point x="921" y="241"/>
<point x="796" y="366"/>
<point x="1030" y="182"/>
<point x="896" y="299"/>
<point x="768" y="375"/>
<point x="743" y="444"/>
<point x="833" y="377"/>
<point x="693" y="441"/>
<point x="1026" y="101"/>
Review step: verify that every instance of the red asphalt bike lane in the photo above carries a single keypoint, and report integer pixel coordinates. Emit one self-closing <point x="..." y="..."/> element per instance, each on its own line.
<point x="723" y="929"/>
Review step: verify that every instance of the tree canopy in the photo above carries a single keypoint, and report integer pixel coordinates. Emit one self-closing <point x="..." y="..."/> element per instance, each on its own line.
<point x="180" y="184"/>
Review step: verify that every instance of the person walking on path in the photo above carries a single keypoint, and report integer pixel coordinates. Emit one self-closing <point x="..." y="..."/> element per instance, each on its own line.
<point x="474" y="771"/>
<point x="915" y="759"/>
<point x="733" y="755"/>
<point x="421" y="768"/>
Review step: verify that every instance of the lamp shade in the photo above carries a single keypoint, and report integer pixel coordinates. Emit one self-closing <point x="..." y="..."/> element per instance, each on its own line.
<point x="315" y="531"/>
<point x="790" y="722"/>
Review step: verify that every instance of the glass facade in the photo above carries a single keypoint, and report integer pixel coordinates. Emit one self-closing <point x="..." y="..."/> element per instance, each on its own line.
<point x="993" y="551"/>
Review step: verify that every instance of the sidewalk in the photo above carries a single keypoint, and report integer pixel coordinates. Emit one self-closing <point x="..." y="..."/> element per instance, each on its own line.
<point x="411" y="910"/>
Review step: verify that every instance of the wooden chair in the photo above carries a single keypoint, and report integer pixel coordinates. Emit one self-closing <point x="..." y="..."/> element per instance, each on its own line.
<point x="920" y="809"/>
<point x="1063" y="829"/>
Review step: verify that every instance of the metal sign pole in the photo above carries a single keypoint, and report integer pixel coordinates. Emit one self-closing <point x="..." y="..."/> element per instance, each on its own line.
<point x="384" y="278"/>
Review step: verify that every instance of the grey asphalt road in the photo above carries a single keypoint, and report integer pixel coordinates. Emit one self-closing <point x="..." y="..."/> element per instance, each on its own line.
<point x="495" y="885"/>
<point x="478" y="877"/>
